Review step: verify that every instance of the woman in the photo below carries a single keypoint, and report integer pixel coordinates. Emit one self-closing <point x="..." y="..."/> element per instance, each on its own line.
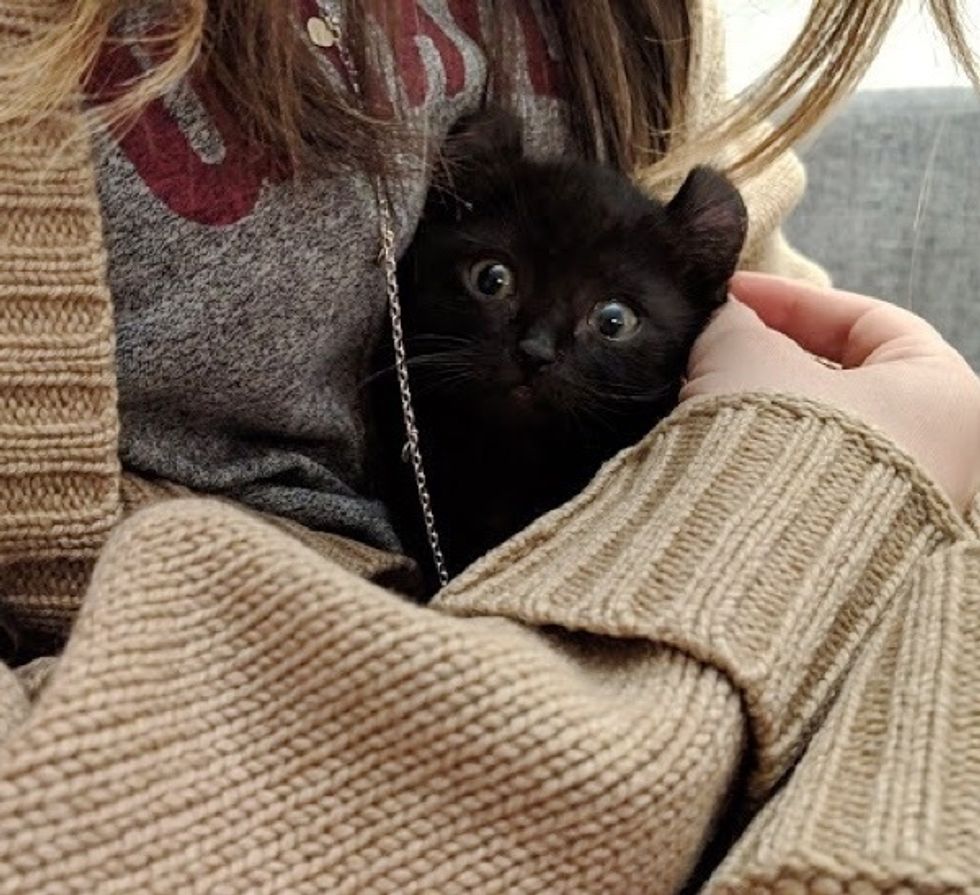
<point x="750" y="643"/>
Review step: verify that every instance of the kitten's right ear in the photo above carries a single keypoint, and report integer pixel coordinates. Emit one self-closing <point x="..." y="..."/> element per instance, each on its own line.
<point x="478" y="145"/>
<point x="712" y="221"/>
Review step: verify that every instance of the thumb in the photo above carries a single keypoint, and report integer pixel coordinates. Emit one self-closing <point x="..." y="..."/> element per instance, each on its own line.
<point x="733" y="319"/>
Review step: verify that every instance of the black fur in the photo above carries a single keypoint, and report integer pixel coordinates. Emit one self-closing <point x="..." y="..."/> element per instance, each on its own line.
<point x="519" y="397"/>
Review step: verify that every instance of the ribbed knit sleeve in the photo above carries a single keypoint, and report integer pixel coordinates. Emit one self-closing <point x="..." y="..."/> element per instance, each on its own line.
<point x="58" y="466"/>
<point x="764" y="536"/>
<point x="886" y="797"/>
<point x="235" y="712"/>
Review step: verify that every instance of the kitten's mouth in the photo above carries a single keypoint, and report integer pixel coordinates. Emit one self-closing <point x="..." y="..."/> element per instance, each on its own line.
<point x="521" y="403"/>
<point x="522" y="394"/>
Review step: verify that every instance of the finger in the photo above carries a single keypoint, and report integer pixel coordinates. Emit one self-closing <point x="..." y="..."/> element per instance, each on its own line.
<point x="842" y="326"/>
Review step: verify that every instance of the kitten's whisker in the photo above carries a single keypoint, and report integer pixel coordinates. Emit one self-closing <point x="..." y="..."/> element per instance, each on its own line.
<point x="587" y="404"/>
<point x="429" y="385"/>
<point x="436" y="356"/>
<point x="438" y="339"/>
<point x="585" y="419"/>
<point x="426" y="340"/>
<point x="656" y="394"/>
<point x="435" y="362"/>
<point x="376" y="375"/>
<point x="454" y="357"/>
<point x="624" y="393"/>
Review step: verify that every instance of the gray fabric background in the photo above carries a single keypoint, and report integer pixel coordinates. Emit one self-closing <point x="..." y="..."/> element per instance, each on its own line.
<point x="892" y="208"/>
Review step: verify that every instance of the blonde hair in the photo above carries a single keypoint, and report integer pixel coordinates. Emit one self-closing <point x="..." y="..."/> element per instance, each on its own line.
<point x="627" y="62"/>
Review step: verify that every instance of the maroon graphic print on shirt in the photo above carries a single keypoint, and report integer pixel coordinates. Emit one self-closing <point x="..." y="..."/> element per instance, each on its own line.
<point x="222" y="191"/>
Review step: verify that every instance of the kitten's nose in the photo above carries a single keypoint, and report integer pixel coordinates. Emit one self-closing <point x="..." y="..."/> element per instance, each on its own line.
<point x="538" y="349"/>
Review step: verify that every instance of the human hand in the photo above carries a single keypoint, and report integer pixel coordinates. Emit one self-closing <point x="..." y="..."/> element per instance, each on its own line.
<point x="896" y="371"/>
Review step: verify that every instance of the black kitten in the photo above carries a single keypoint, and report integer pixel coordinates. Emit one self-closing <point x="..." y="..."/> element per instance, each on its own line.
<point x="549" y="309"/>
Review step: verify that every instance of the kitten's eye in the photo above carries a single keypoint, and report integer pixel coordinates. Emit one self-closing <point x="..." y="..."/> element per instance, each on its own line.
<point x="614" y="320"/>
<point x="491" y="279"/>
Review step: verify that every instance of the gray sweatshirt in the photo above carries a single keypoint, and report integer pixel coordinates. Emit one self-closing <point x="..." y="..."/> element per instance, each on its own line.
<point x="247" y="306"/>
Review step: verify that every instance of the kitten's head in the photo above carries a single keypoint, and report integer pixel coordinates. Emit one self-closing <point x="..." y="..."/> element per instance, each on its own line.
<point x="555" y="292"/>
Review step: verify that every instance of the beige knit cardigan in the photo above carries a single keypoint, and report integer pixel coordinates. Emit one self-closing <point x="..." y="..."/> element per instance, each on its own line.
<point x="759" y="627"/>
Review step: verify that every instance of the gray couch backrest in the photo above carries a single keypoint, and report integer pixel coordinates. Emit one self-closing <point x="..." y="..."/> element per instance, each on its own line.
<point x="893" y="205"/>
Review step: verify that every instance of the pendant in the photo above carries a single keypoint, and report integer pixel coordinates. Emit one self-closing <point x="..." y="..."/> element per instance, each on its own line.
<point x="321" y="32"/>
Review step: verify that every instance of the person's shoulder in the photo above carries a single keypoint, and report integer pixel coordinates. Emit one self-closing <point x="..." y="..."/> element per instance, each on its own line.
<point x="27" y="11"/>
<point x="21" y="18"/>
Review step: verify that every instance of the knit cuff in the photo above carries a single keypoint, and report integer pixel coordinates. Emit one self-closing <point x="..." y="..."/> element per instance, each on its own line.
<point x="886" y="798"/>
<point x="762" y="534"/>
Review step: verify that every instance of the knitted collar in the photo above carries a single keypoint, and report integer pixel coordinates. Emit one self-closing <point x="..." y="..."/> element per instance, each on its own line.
<point x="59" y="467"/>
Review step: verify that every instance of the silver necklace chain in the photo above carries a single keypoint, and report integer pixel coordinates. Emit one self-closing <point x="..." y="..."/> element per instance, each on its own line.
<point x="386" y="228"/>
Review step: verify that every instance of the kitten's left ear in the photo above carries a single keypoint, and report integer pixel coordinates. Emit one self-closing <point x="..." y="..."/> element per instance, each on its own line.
<point x="490" y="136"/>
<point x="712" y="222"/>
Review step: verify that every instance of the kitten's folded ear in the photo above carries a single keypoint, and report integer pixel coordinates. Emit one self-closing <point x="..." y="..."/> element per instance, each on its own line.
<point x="478" y="145"/>
<point x="712" y="221"/>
